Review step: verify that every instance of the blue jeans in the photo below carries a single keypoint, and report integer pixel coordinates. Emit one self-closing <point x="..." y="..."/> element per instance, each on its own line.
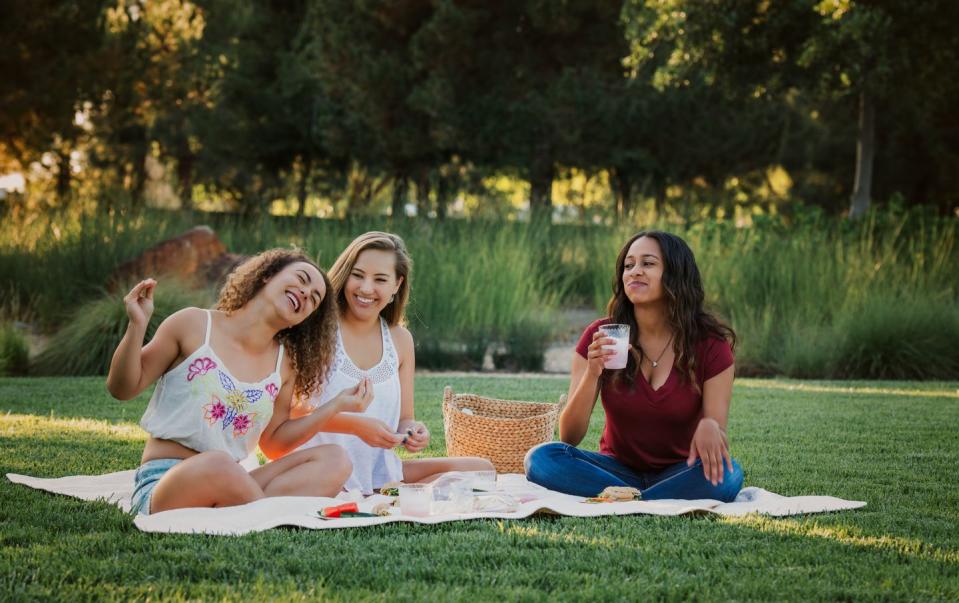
<point x="145" y="480"/>
<point x="568" y="469"/>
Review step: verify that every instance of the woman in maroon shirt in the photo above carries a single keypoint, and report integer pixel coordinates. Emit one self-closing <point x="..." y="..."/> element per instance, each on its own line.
<point x="666" y="412"/>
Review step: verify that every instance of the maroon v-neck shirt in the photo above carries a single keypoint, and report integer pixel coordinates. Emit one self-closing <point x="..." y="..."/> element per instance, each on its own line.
<point x="650" y="429"/>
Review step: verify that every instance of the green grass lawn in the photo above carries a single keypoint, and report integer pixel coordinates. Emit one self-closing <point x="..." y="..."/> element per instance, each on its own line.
<point x="894" y="445"/>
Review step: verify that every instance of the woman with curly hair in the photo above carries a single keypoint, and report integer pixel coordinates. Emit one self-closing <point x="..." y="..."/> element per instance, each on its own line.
<point x="371" y="285"/>
<point x="227" y="380"/>
<point x="666" y="411"/>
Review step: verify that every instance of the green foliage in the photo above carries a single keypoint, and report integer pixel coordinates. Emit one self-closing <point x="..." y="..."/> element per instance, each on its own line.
<point x="817" y="298"/>
<point x="51" y="264"/>
<point x="14" y="352"/>
<point x="792" y="287"/>
<point x="85" y="345"/>
<point x="792" y="437"/>
<point x="471" y="293"/>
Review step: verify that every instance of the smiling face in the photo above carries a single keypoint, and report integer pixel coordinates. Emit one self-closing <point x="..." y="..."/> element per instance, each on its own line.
<point x="371" y="283"/>
<point x="643" y="271"/>
<point x="297" y="291"/>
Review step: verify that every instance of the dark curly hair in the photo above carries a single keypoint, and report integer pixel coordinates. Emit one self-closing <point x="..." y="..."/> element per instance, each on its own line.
<point x="309" y="344"/>
<point x="685" y="314"/>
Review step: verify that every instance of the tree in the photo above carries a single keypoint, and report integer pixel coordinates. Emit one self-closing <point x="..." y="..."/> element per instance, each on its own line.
<point x="50" y="66"/>
<point x="360" y="52"/>
<point x="515" y="85"/>
<point x="878" y="55"/>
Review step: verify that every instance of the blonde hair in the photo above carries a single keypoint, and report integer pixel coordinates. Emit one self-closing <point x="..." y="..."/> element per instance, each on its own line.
<point x="394" y="312"/>
<point x="309" y="344"/>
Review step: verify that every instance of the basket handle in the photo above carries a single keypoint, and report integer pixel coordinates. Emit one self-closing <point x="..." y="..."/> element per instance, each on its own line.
<point x="447" y="394"/>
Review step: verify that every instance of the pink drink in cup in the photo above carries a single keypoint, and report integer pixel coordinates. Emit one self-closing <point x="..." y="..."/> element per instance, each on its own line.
<point x="619" y="333"/>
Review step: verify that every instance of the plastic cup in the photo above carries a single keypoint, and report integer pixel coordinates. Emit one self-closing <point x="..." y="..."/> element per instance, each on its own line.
<point x="416" y="499"/>
<point x="452" y="493"/>
<point x="620" y="346"/>
<point x="482" y="480"/>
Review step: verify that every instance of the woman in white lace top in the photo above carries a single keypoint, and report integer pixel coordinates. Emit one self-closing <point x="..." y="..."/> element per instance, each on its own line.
<point x="371" y="286"/>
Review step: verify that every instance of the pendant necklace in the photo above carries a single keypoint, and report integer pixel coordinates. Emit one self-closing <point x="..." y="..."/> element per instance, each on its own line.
<point x="661" y="354"/>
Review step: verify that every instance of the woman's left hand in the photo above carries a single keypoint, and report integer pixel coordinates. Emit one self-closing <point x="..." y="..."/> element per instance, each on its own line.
<point x="711" y="445"/>
<point x="417" y="435"/>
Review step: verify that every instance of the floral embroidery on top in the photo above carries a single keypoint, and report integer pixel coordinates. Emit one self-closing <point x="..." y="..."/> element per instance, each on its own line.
<point x="214" y="411"/>
<point x="200" y="366"/>
<point x="217" y="411"/>
<point x="237" y="399"/>
<point x="242" y="423"/>
<point x="272" y="389"/>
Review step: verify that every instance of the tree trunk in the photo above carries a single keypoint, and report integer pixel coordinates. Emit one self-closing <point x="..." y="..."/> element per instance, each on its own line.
<point x="305" y="166"/>
<point x="865" y="152"/>
<point x="541" y="174"/>
<point x="63" y="176"/>
<point x="622" y="190"/>
<point x="400" y="186"/>
<point x="139" y="173"/>
<point x="184" y="172"/>
<point x="442" y="196"/>
<point x="423" y="194"/>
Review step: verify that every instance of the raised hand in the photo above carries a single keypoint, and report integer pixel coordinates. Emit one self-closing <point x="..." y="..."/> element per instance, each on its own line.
<point x="417" y="435"/>
<point x="596" y="355"/>
<point x="376" y="433"/>
<point x="139" y="302"/>
<point x="711" y="445"/>
<point x="356" y="398"/>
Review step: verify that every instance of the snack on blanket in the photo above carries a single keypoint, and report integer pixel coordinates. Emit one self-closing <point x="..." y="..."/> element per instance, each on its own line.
<point x="382" y="509"/>
<point x="391" y="488"/>
<point x="338" y="510"/>
<point x="616" y="494"/>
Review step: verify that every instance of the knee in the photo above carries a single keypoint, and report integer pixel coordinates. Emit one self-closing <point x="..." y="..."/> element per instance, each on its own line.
<point x="732" y="482"/>
<point x="542" y="454"/>
<point x="214" y="464"/>
<point x="336" y="461"/>
<point x="219" y="471"/>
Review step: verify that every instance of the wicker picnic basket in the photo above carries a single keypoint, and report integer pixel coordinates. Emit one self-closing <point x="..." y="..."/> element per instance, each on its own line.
<point x="502" y="431"/>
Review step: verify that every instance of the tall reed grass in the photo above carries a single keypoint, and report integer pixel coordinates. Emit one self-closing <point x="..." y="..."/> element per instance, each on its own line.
<point x="811" y="296"/>
<point x="827" y="299"/>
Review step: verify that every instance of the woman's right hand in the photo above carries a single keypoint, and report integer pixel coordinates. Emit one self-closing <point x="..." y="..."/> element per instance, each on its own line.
<point x="376" y="433"/>
<point x="596" y="356"/>
<point x="356" y="398"/>
<point x="139" y="303"/>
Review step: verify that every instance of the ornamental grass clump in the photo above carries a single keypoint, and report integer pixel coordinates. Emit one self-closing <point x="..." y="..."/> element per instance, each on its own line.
<point x="14" y="352"/>
<point x="85" y="344"/>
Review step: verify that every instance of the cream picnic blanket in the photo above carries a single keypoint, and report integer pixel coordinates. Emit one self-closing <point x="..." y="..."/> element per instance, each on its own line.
<point x="301" y="511"/>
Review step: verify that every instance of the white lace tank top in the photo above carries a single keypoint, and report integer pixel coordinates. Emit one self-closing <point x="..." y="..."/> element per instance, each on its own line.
<point x="199" y="404"/>
<point x="372" y="467"/>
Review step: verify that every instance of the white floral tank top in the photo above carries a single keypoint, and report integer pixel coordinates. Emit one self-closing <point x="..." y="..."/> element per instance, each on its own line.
<point x="200" y="405"/>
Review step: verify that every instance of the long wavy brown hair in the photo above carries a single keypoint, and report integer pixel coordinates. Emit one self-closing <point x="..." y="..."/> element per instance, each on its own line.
<point x="310" y="344"/>
<point x="689" y="321"/>
<point x="394" y="312"/>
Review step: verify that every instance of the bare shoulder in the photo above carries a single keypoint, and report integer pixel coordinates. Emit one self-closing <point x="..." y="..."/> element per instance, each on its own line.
<point x="188" y="318"/>
<point x="187" y="327"/>
<point x="403" y="339"/>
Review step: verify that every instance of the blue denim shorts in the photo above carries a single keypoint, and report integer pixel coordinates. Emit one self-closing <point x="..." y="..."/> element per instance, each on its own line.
<point x="147" y="477"/>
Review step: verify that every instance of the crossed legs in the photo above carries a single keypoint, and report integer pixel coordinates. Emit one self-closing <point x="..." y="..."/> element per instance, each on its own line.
<point x="214" y="479"/>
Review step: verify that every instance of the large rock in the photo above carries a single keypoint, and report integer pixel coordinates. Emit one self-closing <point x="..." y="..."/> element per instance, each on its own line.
<point x="197" y="257"/>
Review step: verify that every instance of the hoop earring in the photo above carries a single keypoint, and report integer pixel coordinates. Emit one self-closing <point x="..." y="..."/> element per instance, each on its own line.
<point x="392" y="298"/>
